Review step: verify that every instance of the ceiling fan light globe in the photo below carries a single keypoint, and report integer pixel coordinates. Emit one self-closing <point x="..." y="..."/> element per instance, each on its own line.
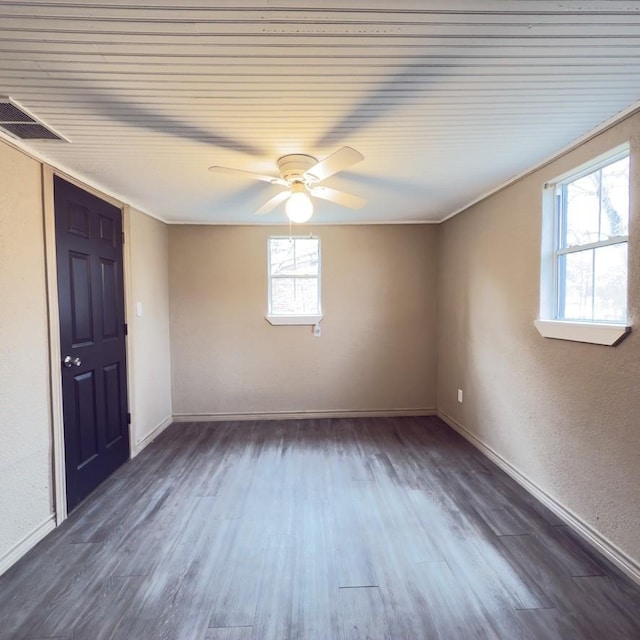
<point x="299" y="207"/>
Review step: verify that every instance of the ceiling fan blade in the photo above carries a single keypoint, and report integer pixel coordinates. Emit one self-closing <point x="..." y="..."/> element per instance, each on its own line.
<point x="337" y="161"/>
<point x="250" y="174"/>
<point x="271" y="204"/>
<point x="339" y="197"/>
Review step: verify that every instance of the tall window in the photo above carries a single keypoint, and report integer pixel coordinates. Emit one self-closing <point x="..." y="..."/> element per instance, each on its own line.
<point x="294" y="277"/>
<point x="590" y="256"/>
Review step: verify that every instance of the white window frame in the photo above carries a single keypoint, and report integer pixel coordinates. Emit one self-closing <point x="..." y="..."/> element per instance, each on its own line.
<point x="288" y="319"/>
<point x="549" y="324"/>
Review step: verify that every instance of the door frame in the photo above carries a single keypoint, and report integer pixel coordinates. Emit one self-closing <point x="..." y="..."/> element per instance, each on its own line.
<point x="53" y="310"/>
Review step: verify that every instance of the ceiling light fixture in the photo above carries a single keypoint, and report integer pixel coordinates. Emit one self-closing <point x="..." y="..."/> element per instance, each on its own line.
<point x="299" y="206"/>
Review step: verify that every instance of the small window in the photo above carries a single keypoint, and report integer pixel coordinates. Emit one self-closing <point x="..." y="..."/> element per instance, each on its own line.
<point x="294" y="280"/>
<point x="584" y="271"/>
<point x="591" y="254"/>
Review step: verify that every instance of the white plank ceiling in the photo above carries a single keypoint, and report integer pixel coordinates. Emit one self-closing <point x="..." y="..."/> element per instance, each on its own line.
<point x="446" y="99"/>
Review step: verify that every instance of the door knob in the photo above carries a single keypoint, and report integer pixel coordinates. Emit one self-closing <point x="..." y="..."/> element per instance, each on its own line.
<point x="71" y="362"/>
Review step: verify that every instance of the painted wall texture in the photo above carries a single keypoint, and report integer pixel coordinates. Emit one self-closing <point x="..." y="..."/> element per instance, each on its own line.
<point x="377" y="349"/>
<point x="26" y="472"/>
<point x="565" y="414"/>
<point x="150" y="355"/>
<point x="25" y="429"/>
<point x="412" y="313"/>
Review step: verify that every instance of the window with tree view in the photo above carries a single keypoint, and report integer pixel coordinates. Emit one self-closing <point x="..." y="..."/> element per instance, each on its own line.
<point x="294" y="276"/>
<point x="592" y="217"/>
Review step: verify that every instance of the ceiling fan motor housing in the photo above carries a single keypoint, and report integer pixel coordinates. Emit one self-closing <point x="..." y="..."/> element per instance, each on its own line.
<point x="300" y="175"/>
<point x="293" y="167"/>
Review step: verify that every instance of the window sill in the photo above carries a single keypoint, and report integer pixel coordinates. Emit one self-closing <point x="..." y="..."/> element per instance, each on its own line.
<point x="591" y="332"/>
<point x="293" y="320"/>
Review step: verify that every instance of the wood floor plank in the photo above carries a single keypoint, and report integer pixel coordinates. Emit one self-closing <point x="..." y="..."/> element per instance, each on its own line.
<point x="394" y="564"/>
<point x="352" y="540"/>
<point x="612" y="611"/>
<point x="174" y="601"/>
<point x="144" y="543"/>
<point x="82" y="596"/>
<point x="315" y="614"/>
<point x="274" y="609"/>
<point x="454" y="613"/>
<point x="111" y="603"/>
<point x="112" y="556"/>
<point x="473" y="553"/>
<point x="569" y="553"/>
<point x="491" y="577"/>
<point x="361" y="614"/>
<point x="318" y="528"/>
<point x="537" y="568"/>
<point x="29" y="588"/>
<point x="229" y="633"/>
<point x="235" y="592"/>
<point x="501" y="509"/>
<point x="560" y="624"/>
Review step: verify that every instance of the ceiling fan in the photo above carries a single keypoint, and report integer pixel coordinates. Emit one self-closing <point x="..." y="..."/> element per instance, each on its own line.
<point x="301" y="175"/>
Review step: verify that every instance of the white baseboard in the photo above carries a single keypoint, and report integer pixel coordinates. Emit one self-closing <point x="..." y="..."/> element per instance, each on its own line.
<point x="27" y="543"/>
<point x="301" y="415"/>
<point x="150" y="437"/>
<point x="618" y="557"/>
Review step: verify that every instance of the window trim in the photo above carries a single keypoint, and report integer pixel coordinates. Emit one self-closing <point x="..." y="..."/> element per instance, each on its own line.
<point x="548" y="324"/>
<point x="284" y="319"/>
<point x="593" y="332"/>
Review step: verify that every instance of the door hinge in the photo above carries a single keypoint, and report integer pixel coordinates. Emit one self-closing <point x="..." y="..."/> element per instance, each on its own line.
<point x="123" y="237"/>
<point x="128" y="418"/>
<point x="126" y="329"/>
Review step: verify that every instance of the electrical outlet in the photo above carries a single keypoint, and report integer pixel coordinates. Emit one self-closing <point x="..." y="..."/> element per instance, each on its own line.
<point x="460" y="396"/>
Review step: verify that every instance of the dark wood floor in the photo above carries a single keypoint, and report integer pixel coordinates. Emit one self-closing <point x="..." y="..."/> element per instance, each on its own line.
<point x="319" y="529"/>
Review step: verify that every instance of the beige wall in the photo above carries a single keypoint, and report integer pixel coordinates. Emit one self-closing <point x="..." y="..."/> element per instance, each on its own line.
<point x="26" y="469"/>
<point x="377" y="350"/>
<point x="25" y="441"/>
<point x="149" y="352"/>
<point x="565" y="414"/>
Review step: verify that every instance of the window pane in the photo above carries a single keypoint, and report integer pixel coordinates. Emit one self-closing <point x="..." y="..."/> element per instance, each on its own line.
<point x="594" y="209"/>
<point x="294" y="296"/>
<point x="307" y="261"/>
<point x="578" y="290"/>
<point x="582" y="214"/>
<point x="610" y="292"/>
<point x="280" y="252"/>
<point x="294" y="256"/>
<point x="615" y="200"/>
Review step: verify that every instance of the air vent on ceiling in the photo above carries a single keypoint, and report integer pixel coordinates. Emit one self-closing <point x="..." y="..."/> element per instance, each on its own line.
<point x="17" y="121"/>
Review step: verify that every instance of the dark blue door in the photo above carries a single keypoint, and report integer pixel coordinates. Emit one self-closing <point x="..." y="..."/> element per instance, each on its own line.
<point x="92" y="338"/>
